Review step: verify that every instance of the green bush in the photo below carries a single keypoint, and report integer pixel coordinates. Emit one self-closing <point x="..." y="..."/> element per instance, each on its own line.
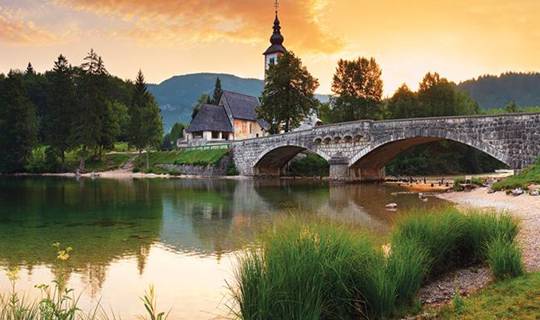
<point x="504" y="258"/>
<point x="232" y="170"/>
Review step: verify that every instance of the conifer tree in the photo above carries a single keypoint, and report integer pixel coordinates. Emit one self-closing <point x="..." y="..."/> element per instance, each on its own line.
<point x="93" y="104"/>
<point x="216" y="96"/>
<point x="59" y="119"/>
<point x="17" y="124"/>
<point x="145" y="128"/>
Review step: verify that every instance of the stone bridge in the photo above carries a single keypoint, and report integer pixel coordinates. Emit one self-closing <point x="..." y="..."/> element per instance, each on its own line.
<point x="360" y="150"/>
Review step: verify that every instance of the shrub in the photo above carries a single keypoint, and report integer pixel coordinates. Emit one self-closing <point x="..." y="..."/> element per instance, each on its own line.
<point x="504" y="258"/>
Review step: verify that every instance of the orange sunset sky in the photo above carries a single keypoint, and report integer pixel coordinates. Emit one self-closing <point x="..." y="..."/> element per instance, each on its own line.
<point x="459" y="39"/>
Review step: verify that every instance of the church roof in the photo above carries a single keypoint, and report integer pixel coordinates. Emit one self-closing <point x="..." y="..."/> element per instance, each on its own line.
<point x="242" y="107"/>
<point x="210" y="118"/>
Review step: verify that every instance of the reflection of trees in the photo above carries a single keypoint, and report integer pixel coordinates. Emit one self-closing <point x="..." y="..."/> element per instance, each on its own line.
<point x="102" y="220"/>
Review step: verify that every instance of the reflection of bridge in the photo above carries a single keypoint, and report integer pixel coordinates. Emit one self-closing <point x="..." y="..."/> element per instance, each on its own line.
<point x="361" y="149"/>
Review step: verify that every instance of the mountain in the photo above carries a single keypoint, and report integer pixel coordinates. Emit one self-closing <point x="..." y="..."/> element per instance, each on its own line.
<point x="497" y="91"/>
<point x="177" y="96"/>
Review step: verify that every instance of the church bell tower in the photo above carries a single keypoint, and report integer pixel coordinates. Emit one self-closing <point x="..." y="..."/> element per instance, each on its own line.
<point x="276" y="49"/>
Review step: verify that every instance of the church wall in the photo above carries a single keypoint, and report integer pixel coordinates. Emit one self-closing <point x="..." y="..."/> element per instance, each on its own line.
<point x="244" y="129"/>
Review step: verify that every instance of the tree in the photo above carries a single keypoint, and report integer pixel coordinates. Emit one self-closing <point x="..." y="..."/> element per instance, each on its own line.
<point x="358" y="88"/>
<point x="93" y="113"/>
<point x="58" y="121"/>
<point x="145" y="127"/>
<point x="35" y="85"/>
<point x="439" y="97"/>
<point x="17" y="124"/>
<point x="177" y="132"/>
<point x="404" y="104"/>
<point x="511" y="107"/>
<point x="216" y="96"/>
<point x="203" y="99"/>
<point x="288" y="95"/>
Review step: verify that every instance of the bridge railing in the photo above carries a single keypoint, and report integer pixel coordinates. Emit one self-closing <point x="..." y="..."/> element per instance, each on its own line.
<point x="371" y="122"/>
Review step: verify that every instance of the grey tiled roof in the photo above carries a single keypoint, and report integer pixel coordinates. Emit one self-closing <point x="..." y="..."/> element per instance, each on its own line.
<point x="242" y="106"/>
<point x="210" y="118"/>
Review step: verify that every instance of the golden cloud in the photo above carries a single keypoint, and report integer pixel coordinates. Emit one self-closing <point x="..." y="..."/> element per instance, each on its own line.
<point x="173" y="21"/>
<point x="14" y="30"/>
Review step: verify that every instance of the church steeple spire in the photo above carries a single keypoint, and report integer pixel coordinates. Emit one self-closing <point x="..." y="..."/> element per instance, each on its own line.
<point x="276" y="48"/>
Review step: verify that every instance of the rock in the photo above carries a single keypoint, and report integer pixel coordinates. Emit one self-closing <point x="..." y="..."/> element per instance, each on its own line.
<point x="392" y="205"/>
<point x="517" y="192"/>
<point x="534" y="193"/>
<point x="490" y="190"/>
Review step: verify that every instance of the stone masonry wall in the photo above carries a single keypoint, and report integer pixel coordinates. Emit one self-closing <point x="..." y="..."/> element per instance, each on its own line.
<point x="513" y="139"/>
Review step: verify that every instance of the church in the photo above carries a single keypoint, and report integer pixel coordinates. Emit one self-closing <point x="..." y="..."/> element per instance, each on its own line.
<point x="235" y="117"/>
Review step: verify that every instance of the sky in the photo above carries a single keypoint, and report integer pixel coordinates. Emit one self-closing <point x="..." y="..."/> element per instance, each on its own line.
<point x="460" y="39"/>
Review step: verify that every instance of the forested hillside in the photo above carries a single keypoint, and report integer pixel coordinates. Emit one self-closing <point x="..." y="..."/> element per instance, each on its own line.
<point x="498" y="91"/>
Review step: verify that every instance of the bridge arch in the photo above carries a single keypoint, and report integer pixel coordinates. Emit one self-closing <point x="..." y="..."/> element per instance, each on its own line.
<point x="369" y="162"/>
<point x="272" y="160"/>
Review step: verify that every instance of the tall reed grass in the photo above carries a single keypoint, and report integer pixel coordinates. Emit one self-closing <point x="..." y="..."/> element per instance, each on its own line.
<point x="322" y="270"/>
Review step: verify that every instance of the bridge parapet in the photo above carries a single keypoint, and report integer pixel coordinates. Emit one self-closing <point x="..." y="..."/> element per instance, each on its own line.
<point x="369" y="145"/>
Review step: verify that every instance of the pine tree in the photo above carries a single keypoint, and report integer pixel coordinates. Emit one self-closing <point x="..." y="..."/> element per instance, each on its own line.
<point x="288" y="95"/>
<point x="216" y="96"/>
<point x="358" y="89"/>
<point x="93" y="114"/>
<point x="30" y="69"/>
<point x="145" y="128"/>
<point x="17" y="124"/>
<point x="59" y="119"/>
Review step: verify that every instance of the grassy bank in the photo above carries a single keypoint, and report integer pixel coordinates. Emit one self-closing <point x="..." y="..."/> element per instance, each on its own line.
<point x="527" y="177"/>
<point x="42" y="161"/>
<point x="196" y="157"/>
<point x="517" y="298"/>
<point x="327" y="271"/>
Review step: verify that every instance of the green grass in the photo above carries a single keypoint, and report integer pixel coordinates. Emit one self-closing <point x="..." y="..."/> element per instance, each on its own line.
<point x="527" y="177"/>
<point x="305" y="272"/>
<point x="198" y="157"/>
<point x="504" y="259"/>
<point x="517" y="298"/>
<point x="108" y="162"/>
<point x="321" y="270"/>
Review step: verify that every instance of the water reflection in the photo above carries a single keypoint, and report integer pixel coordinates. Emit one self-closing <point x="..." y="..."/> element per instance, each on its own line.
<point x="179" y="234"/>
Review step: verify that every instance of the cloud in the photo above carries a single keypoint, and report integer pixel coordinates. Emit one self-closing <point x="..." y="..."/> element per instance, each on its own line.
<point x="189" y="21"/>
<point x="15" y="30"/>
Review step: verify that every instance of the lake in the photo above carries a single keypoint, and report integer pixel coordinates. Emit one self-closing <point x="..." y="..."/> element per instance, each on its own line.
<point x="181" y="236"/>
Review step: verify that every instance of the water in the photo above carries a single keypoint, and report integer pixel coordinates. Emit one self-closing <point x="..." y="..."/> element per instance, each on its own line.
<point x="181" y="236"/>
